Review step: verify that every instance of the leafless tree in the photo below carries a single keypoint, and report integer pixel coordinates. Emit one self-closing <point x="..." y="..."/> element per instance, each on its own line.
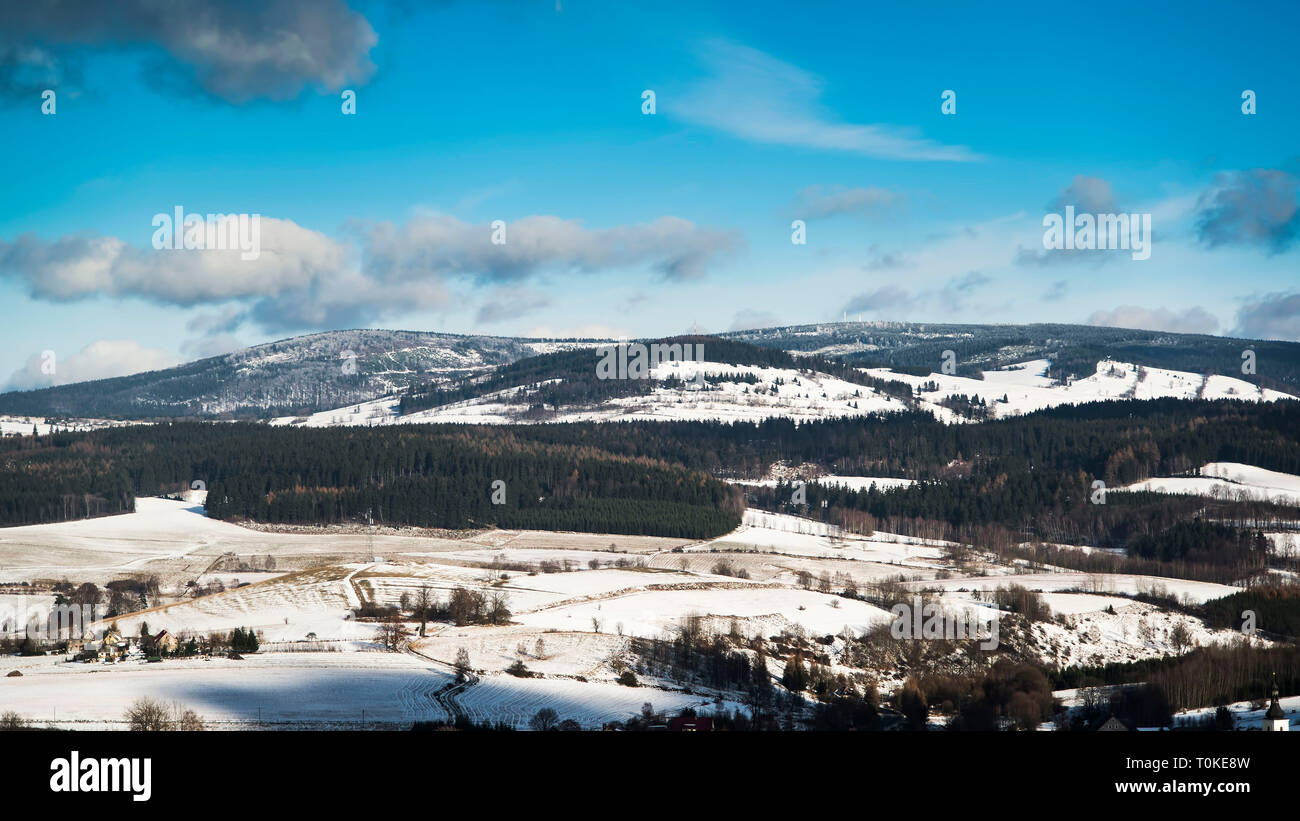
<point x="148" y="715"/>
<point x="462" y="664"/>
<point x="423" y="603"/>
<point x="189" y="721"/>
<point x="12" y="721"/>
<point x="392" y="632"/>
<point x="545" y="719"/>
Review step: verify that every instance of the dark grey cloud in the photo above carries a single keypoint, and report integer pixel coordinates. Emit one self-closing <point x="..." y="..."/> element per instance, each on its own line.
<point x="1056" y="291"/>
<point x="1273" y="316"/>
<point x="224" y="321"/>
<point x="1088" y="195"/>
<point x="675" y="248"/>
<point x="957" y="291"/>
<point x="215" y="332"/>
<point x="885" y="298"/>
<point x="1254" y="207"/>
<point x="747" y="319"/>
<point x="1061" y="258"/>
<point x="967" y="282"/>
<point x="236" y="51"/>
<point x="885" y="262"/>
<point x="505" y="303"/>
<point x="26" y="71"/>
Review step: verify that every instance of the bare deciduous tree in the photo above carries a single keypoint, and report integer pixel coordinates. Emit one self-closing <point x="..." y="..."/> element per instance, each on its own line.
<point x="12" y="721"/>
<point x="544" y="719"/>
<point x="423" y="603"/>
<point x="462" y="664"/>
<point x="148" y="715"/>
<point x="151" y="715"/>
<point x="392" y="632"/>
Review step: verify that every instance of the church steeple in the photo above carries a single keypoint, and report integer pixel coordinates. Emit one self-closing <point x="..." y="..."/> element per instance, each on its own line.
<point x="1275" y="719"/>
<point x="1275" y="709"/>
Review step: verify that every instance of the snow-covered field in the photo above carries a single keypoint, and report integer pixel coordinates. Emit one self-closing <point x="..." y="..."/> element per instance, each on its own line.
<point x="792" y="394"/>
<point x="24" y="425"/>
<point x="1245" y="714"/>
<point x="294" y="690"/>
<point x="765" y="532"/>
<point x="591" y="704"/>
<point x="576" y="601"/>
<point x="1193" y="592"/>
<point x="779" y="392"/>
<point x="660" y="613"/>
<point x="176" y="541"/>
<point x="1229" y="480"/>
<point x="1027" y="388"/>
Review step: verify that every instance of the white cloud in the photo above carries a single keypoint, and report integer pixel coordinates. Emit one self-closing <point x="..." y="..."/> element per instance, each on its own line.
<point x="77" y="266"/>
<point x="99" y="360"/>
<point x="304" y="279"/>
<point x="1273" y="316"/>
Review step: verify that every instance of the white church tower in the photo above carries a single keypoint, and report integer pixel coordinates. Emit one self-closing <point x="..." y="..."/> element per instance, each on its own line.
<point x="1275" y="721"/>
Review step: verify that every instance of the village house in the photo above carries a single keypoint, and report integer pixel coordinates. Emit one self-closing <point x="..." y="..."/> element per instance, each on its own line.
<point x="163" y="642"/>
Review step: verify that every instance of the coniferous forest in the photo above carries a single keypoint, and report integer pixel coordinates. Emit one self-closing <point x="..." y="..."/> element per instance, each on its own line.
<point x="997" y="485"/>
<point x="449" y="477"/>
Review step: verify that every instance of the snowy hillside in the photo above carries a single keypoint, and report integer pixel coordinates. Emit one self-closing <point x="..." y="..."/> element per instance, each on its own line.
<point x="791" y="394"/>
<point x="765" y="393"/>
<point x="1229" y="480"/>
<point x="315" y="371"/>
<point x="1026" y="388"/>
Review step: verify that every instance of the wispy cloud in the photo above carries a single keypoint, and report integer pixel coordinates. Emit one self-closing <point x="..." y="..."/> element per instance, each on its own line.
<point x="827" y="201"/>
<point x="888" y="298"/>
<point x="1195" y="320"/>
<point x="1092" y="195"/>
<point x="511" y="303"/>
<point x="754" y="96"/>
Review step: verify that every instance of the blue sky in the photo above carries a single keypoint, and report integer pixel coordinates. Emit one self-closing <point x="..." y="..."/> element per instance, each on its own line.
<point x="623" y="223"/>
